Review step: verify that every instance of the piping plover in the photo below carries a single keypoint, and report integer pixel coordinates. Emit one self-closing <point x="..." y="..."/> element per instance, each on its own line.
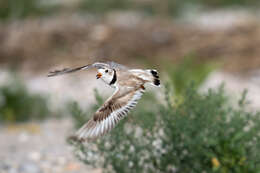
<point x="129" y="87"/>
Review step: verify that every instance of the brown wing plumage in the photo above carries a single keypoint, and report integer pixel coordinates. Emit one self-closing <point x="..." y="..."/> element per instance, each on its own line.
<point x="113" y="110"/>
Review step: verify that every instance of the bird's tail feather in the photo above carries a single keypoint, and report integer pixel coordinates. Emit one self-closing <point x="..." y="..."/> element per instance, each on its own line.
<point x="156" y="78"/>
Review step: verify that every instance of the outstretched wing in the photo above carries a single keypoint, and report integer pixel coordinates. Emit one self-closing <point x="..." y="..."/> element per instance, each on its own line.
<point x="97" y="65"/>
<point x="68" y="70"/>
<point x="112" y="111"/>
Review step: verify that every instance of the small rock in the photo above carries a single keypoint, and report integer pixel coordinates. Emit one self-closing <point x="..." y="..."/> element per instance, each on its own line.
<point x="4" y="166"/>
<point x="13" y="170"/>
<point x="23" y="137"/>
<point x="72" y="167"/>
<point x="29" y="167"/>
<point x="35" y="156"/>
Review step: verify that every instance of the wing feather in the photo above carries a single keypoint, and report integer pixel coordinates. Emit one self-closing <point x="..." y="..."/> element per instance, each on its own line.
<point x="97" y="65"/>
<point x="68" y="70"/>
<point x="113" y="110"/>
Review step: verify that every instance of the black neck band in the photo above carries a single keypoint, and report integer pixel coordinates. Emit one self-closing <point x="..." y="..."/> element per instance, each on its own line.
<point x="113" y="81"/>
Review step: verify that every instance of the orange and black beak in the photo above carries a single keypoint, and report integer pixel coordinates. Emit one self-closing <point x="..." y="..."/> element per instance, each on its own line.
<point x="98" y="75"/>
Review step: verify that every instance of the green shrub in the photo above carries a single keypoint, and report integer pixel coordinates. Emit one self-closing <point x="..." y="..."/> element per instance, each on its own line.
<point x="203" y="133"/>
<point x="154" y="7"/>
<point x="225" y="3"/>
<point x="102" y="6"/>
<point x="19" y="9"/>
<point x="18" y="105"/>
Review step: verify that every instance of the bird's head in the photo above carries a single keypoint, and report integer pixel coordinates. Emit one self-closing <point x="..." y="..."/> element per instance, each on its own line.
<point x="108" y="75"/>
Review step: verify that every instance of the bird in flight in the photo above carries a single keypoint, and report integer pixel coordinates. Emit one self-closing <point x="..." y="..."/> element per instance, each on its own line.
<point x="129" y="87"/>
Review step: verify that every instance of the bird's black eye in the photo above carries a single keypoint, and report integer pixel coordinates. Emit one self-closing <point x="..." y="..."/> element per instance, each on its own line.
<point x="106" y="71"/>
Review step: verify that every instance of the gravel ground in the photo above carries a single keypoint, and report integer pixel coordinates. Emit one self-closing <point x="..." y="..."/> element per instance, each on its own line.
<point x="38" y="148"/>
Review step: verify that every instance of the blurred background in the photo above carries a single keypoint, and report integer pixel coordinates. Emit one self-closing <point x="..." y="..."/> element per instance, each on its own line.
<point x="204" y="42"/>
